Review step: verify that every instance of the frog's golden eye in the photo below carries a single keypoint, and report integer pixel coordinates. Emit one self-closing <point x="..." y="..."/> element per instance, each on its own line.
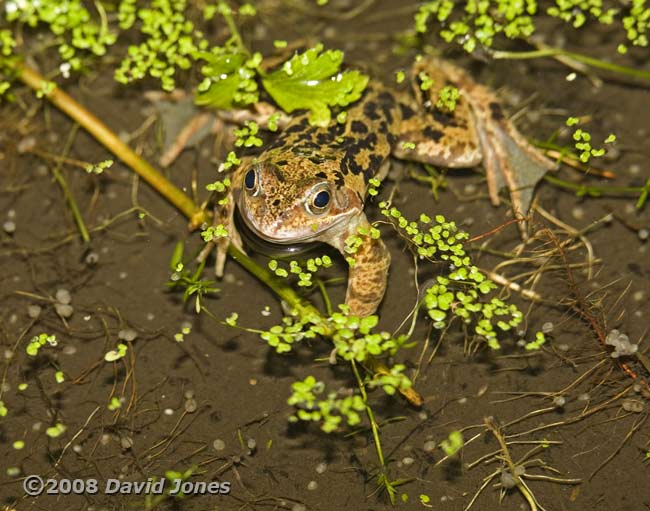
<point x="250" y="180"/>
<point x="318" y="202"/>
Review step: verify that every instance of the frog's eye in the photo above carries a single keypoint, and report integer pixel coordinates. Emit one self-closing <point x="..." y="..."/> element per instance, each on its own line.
<point x="318" y="202"/>
<point x="250" y="180"/>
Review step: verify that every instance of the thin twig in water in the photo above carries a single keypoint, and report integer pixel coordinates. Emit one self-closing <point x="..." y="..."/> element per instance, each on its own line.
<point x="635" y="428"/>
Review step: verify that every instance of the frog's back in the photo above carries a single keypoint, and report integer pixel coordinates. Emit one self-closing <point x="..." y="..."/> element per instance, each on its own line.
<point x="347" y="154"/>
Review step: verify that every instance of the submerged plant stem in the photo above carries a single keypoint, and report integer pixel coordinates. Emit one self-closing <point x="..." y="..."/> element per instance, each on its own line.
<point x="595" y="191"/>
<point x="371" y="417"/>
<point x="492" y="426"/>
<point x="234" y="31"/>
<point x="72" y="203"/>
<point x="584" y="59"/>
<point x="382" y="480"/>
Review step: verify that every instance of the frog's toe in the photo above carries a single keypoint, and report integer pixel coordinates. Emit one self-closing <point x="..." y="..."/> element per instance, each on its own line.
<point x="220" y="261"/>
<point x="223" y="244"/>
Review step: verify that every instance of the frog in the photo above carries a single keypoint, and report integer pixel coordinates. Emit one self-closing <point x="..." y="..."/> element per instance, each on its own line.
<point x="311" y="183"/>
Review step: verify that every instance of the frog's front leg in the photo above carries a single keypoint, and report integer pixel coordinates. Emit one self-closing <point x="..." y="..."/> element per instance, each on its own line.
<point x="224" y="215"/>
<point x="369" y="262"/>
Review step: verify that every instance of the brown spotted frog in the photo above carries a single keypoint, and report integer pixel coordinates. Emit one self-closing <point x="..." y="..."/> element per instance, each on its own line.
<point x="310" y="184"/>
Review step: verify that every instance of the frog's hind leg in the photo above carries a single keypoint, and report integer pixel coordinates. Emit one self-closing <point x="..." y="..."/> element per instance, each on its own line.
<point x="383" y="171"/>
<point x="436" y="136"/>
<point x="475" y="130"/>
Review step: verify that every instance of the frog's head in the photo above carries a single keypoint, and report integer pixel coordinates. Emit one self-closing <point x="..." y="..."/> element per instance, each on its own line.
<point x="295" y="203"/>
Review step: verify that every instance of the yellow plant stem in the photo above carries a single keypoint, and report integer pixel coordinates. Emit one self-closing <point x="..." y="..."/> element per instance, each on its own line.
<point x="545" y="51"/>
<point x="112" y="142"/>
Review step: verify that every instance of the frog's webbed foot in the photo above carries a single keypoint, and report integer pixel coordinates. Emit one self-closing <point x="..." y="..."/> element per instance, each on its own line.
<point x="508" y="158"/>
<point x="368" y="273"/>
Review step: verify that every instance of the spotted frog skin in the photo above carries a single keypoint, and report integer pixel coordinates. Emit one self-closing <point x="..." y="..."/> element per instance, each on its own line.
<point x="310" y="183"/>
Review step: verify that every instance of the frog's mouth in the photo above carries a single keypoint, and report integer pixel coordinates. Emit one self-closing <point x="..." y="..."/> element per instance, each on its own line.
<point x="307" y="238"/>
<point x="268" y="246"/>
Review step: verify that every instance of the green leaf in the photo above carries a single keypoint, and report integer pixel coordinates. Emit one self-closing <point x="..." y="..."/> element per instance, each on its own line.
<point x="225" y="74"/>
<point x="312" y="81"/>
<point x="453" y="443"/>
<point x="232" y="319"/>
<point x="55" y="431"/>
<point x="437" y="315"/>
